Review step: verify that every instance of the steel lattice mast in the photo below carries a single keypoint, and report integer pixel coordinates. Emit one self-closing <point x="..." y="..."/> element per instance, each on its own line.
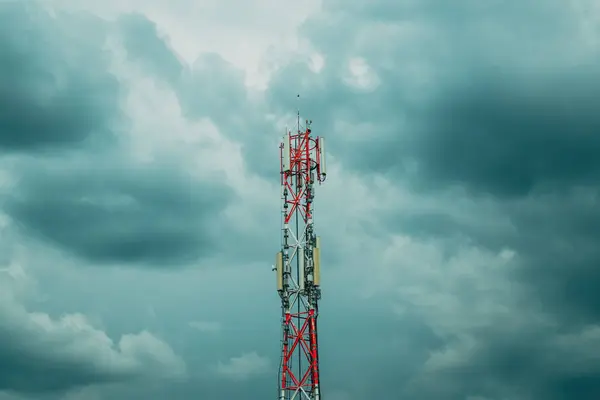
<point x="298" y="264"/>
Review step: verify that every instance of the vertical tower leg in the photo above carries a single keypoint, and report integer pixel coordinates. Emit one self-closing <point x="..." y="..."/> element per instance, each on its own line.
<point x="313" y="353"/>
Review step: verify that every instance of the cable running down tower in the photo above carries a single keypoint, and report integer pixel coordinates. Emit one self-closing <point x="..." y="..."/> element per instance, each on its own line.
<point x="298" y="264"/>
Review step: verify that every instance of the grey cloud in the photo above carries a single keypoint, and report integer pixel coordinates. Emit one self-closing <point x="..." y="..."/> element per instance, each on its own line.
<point x="214" y="88"/>
<point x="525" y="363"/>
<point x="143" y="43"/>
<point x="51" y="94"/>
<point x="210" y="87"/>
<point x="107" y="210"/>
<point x="243" y="367"/>
<point x="42" y="354"/>
<point x="554" y="285"/>
<point x="378" y="353"/>
<point x="98" y="203"/>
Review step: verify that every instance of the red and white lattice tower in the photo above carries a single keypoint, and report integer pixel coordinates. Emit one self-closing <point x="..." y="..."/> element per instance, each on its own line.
<point x="298" y="264"/>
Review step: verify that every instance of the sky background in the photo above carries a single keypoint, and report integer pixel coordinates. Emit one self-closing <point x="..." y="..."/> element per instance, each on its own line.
<point x="139" y="198"/>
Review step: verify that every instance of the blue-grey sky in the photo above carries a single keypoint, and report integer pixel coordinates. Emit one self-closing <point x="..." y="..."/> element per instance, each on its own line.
<point x="140" y="202"/>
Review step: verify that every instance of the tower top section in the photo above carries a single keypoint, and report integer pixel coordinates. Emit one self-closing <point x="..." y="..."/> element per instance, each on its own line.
<point x="302" y="164"/>
<point x="301" y="153"/>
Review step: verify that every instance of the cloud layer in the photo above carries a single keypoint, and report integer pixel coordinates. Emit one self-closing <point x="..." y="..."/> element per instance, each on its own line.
<point x="139" y="194"/>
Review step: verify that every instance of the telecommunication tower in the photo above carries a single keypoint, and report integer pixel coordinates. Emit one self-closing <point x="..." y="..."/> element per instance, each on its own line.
<point x="297" y="265"/>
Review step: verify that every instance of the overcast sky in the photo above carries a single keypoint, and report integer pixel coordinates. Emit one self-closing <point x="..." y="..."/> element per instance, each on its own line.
<point x="139" y="199"/>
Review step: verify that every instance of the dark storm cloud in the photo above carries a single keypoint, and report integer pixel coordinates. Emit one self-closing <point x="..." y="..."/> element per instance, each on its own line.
<point x="529" y="363"/>
<point x="58" y="91"/>
<point x="30" y="368"/>
<point x="487" y="114"/>
<point x="477" y="74"/>
<point x="52" y="94"/>
<point x="498" y="100"/>
<point x="555" y="238"/>
<point x="512" y="135"/>
<point x="107" y="210"/>
<point x="27" y="371"/>
<point x="559" y="235"/>
<point x="95" y="201"/>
